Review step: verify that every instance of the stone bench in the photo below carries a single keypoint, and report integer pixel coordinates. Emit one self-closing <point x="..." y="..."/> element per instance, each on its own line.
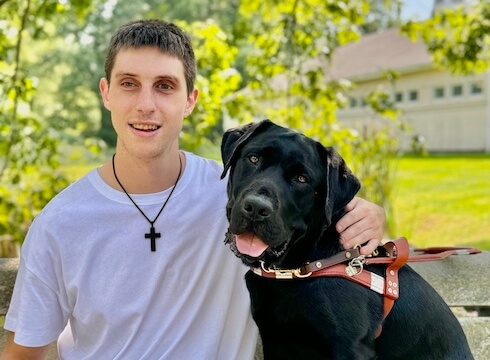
<point x="463" y="281"/>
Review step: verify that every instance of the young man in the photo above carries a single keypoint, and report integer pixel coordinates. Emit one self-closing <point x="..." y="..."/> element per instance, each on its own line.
<point x="130" y="256"/>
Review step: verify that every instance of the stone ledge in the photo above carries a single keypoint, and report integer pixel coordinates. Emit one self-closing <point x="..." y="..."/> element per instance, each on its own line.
<point x="461" y="280"/>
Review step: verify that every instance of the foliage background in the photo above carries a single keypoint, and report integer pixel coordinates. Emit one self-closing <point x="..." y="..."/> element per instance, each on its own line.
<point x="255" y="60"/>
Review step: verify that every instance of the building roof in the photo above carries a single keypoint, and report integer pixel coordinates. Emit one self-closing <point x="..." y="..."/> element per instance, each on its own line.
<point x="378" y="52"/>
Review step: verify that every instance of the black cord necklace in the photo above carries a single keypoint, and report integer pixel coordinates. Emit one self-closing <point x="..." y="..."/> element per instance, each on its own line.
<point x="152" y="235"/>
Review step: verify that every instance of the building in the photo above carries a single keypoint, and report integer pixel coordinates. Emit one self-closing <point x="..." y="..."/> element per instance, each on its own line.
<point x="452" y="113"/>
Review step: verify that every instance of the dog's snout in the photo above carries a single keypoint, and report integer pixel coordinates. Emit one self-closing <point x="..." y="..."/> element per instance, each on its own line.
<point x="257" y="207"/>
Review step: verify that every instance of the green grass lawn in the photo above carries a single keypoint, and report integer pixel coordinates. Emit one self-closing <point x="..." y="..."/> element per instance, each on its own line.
<point x="443" y="200"/>
<point x="439" y="200"/>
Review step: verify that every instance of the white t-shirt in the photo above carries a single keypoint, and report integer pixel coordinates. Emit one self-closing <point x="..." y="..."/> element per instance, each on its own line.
<point x="86" y="262"/>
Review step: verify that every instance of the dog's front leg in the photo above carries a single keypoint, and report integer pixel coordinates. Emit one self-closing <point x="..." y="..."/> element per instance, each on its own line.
<point x="348" y="318"/>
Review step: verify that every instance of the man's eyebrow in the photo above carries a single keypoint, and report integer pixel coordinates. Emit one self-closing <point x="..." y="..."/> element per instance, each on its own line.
<point x="122" y="74"/>
<point x="171" y="78"/>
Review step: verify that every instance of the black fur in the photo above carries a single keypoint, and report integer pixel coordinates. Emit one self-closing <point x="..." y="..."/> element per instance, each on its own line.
<point x="290" y="190"/>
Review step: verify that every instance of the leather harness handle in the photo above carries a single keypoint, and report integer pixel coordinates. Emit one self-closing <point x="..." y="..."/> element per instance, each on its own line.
<point x="422" y="254"/>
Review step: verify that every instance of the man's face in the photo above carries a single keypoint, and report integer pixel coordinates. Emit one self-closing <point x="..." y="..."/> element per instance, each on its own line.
<point x="148" y="100"/>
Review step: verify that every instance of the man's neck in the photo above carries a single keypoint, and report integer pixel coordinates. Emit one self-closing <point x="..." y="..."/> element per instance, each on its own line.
<point x="143" y="176"/>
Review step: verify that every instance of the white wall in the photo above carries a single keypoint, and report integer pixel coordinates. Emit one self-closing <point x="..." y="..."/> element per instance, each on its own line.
<point x="449" y="123"/>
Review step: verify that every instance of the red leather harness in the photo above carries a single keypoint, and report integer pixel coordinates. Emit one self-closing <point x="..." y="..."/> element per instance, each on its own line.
<point x="397" y="255"/>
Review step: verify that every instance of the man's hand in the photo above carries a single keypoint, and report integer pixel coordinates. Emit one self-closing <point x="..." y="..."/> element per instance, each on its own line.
<point x="363" y="223"/>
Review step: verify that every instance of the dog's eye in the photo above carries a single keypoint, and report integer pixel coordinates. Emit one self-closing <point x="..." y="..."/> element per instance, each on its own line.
<point x="301" y="179"/>
<point x="253" y="159"/>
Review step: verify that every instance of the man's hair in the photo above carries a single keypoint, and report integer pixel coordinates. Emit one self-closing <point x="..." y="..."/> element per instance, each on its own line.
<point x="167" y="37"/>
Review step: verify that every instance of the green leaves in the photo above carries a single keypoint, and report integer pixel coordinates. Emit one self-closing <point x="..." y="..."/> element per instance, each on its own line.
<point x="382" y="102"/>
<point x="29" y="146"/>
<point x="217" y="81"/>
<point x="290" y="43"/>
<point x="458" y="39"/>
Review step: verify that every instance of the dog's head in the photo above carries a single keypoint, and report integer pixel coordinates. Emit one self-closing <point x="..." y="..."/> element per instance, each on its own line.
<point x="284" y="190"/>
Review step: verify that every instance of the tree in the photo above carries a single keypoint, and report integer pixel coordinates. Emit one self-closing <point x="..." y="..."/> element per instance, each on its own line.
<point x="217" y="82"/>
<point x="458" y="39"/>
<point x="382" y="15"/>
<point x="29" y="146"/>
<point x="223" y="12"/>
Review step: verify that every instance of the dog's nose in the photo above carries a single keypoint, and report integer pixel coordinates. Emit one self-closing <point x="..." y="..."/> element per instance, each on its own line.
<point x="257" y="207"/>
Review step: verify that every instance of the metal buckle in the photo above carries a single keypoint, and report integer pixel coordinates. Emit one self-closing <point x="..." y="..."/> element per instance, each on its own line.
<point x="355" y="266"/>
<point x="285" y="274"/>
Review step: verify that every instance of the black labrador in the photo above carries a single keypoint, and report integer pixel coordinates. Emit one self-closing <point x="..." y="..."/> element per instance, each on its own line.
<point x="286" y="193"/>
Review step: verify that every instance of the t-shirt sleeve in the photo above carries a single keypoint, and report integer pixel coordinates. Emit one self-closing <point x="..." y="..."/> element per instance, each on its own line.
<point x="35" y="314"/>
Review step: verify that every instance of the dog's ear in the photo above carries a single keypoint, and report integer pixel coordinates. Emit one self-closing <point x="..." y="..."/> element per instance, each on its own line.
<point x="234" y="139"/>
<point x="342" y="184"/>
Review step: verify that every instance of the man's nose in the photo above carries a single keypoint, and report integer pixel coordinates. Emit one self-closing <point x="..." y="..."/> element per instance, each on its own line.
<point x="146" y="101"/>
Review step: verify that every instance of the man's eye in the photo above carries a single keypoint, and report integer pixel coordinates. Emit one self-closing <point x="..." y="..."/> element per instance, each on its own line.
<point x="127" y="84"/>
<point x="253" y="159"/>
<point x="164" y="86"/>
<point x="301" y="179"/>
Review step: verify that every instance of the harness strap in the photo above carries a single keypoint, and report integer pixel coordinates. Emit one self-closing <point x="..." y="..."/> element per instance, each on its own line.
<point x="339" y="258"/>
<point x="399" y="250"/>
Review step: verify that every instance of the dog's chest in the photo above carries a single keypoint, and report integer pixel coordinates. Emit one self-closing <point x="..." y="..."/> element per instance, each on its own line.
<point x="312" y="302"/>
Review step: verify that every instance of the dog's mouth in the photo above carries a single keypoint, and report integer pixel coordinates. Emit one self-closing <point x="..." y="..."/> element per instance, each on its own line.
<point x="251" y="245"/>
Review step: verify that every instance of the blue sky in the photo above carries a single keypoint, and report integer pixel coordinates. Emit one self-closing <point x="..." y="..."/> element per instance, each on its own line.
<point x="417" y="9"/>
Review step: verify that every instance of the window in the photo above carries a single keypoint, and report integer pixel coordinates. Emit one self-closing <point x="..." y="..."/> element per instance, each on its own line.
<point x="352" y="102"/>
<point x="457" y="90"/>
<point x="476" y="88"/>
<point x="413" y="95"/>
<point x="399" y="97"/>
<point x="438" y="92"/>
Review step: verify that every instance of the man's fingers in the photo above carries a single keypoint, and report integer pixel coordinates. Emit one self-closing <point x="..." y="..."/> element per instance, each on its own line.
<point x="363" y="224"/>
<point x="350" y="217"/>
<point x="366" y="238"/>
<point x="369" y="247"/>
<point x="356" y="234"/>
<point x="352" y="204"/>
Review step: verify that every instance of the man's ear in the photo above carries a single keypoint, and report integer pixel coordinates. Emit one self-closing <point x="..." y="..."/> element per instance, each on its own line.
<point x="342" y="184"/>
<point x="191" y="102"/>
<point x="235" y="138"/>
<point x="104" y="92"/>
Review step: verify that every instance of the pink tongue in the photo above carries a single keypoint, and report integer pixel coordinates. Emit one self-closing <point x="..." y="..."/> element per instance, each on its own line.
<point x="250" y="244"/>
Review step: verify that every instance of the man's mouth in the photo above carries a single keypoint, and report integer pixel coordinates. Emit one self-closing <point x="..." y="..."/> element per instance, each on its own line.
<point x="145" y="127"/>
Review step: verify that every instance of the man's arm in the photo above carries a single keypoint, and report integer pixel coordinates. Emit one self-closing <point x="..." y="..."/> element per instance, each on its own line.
<point x="12" y="351"/>
<point x="363" y="223"/>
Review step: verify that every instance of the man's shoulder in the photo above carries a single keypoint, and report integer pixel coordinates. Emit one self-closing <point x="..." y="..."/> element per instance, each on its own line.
<point x="73" y="195"/>
<point x="202" y="165"/>
<point x="203" y="161"/>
